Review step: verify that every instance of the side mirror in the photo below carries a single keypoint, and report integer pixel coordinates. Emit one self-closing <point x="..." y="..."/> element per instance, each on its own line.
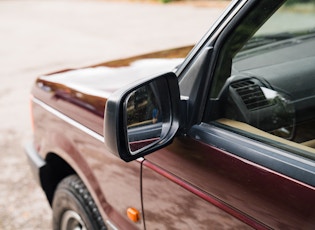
<point x="143" y="117"/>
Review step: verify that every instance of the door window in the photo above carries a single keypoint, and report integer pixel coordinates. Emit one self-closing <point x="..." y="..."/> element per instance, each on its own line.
<point x="264" y="82"/>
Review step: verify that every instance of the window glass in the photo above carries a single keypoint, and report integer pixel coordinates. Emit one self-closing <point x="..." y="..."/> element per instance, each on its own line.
<point x="143" y="117"/>
<point x="264" y="82"/>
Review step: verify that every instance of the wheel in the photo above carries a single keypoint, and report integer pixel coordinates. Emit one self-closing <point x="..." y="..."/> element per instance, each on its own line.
<point x="73" y="207"/>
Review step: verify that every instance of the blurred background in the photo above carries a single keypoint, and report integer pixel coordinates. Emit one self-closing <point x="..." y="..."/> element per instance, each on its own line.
<point x="39" y="37"/>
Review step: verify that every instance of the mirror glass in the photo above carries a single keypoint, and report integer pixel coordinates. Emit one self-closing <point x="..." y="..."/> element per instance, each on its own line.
<point x="144" y="116"/>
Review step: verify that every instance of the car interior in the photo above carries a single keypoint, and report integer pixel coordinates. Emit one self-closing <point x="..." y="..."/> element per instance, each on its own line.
<point x="265" y="88"/>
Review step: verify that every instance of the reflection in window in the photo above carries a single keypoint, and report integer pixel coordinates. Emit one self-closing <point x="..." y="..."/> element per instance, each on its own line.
<point x="142" y="108"/>
<point x="265" y="76"/>
<point x="144" y="117"/>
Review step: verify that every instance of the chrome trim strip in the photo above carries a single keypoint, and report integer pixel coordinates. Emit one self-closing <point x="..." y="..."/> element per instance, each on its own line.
<point x="69" y="120"/>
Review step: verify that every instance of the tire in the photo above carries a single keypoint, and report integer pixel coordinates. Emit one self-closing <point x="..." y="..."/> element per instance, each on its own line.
<point x="73" y="207"/>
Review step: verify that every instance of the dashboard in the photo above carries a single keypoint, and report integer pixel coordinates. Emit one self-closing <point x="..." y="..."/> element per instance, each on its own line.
<point x="273" y="89"/>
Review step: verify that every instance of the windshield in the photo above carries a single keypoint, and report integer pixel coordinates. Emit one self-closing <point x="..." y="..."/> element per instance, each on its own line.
<point x="293" y="20"/>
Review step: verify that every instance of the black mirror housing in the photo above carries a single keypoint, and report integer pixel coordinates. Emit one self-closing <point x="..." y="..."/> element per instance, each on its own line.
<point x="142" y="117"/>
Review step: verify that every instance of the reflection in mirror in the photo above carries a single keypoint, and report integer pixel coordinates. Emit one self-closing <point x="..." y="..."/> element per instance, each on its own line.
<point x="144" y="117"/>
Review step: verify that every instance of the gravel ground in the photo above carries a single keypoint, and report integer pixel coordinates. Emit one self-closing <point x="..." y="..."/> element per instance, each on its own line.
<point x="42" y="36"/>
<point x="22" y="203"/>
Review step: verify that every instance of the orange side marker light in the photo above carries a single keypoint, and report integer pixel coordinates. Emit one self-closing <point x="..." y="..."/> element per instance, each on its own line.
<point x="133" y="214"/>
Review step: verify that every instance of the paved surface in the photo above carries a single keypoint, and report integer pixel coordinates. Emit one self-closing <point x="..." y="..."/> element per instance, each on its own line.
<point x="42" y="36"/>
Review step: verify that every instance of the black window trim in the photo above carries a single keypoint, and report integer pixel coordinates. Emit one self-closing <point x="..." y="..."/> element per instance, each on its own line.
<point x="215" y="30"/>
<point x="278" y="160"/>
<point x="195" y="108"/>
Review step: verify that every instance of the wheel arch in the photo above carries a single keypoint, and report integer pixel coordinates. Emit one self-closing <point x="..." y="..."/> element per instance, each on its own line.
<point x="62" y="159"/>
<point x="52" y="173"/>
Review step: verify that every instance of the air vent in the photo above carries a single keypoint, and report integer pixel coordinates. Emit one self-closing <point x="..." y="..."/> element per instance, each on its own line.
<point x="251" y="94"/>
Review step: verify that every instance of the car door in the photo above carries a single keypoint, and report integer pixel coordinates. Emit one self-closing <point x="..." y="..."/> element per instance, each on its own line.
<point x="245" y="156"/>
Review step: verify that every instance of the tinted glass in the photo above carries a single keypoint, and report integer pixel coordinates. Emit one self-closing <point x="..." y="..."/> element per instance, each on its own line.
<point x="264" y="85"/>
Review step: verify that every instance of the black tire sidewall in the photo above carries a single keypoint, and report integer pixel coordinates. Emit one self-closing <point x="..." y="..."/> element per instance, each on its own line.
<point x="71" y="194"/>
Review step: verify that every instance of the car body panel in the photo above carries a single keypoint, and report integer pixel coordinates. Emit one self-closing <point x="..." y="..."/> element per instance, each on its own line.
<point x="96" y="167"/>
<point x="181" y="205"/>
<point x="81" y="94"/>
<point x="252" y="195"/>
<point x="71" y="100"/>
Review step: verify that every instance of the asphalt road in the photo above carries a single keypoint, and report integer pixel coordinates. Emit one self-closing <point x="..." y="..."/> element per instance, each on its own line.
<point x="43" y="36"/>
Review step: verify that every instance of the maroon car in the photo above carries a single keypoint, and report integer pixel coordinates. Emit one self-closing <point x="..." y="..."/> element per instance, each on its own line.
<point x="218" y="136"/>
